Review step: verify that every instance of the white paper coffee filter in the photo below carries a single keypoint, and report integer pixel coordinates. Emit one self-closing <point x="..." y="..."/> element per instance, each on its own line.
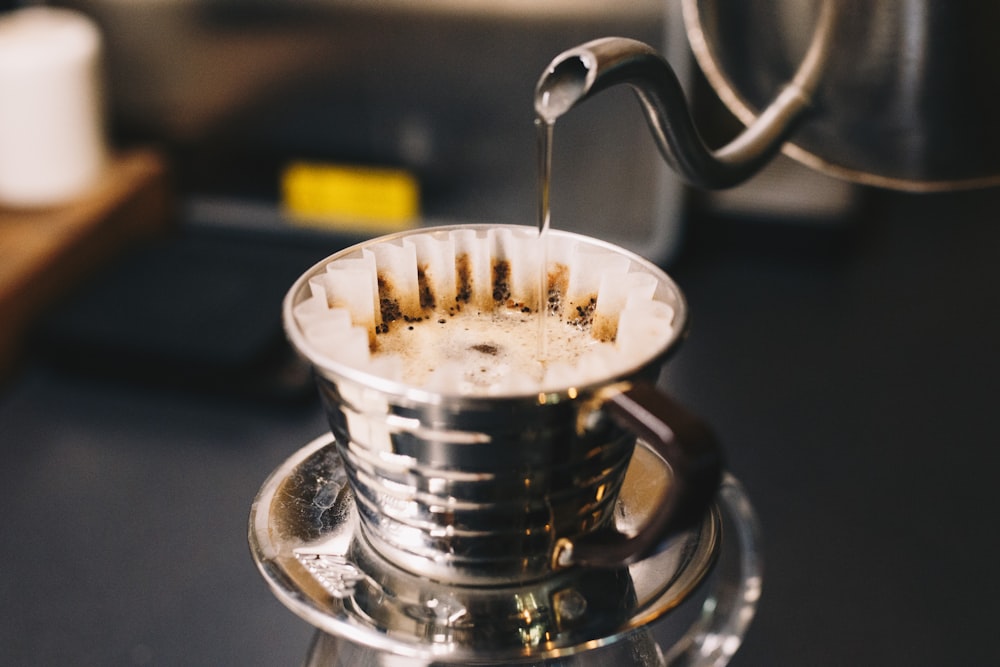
<point x="397" y="271"/>
<point x="339" y="340"/>
<point x="313" y="309"/>
<point x="473" y="251"/>
<point x="613" y="293"/>
<point x="387" y="366"/>
<point x="643" y="325"/>
<point x="436" y="261"/>
<point x="455" y="271"/>
<point x="519" y="253"/>
<point x="558" y="254"/>
<point x="352" y="283"/>
<point x="588" y="268"/>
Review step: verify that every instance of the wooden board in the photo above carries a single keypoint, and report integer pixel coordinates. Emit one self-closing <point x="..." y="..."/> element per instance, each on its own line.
<point x="44" y="253"/>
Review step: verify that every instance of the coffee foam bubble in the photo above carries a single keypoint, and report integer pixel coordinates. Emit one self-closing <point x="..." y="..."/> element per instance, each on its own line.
<point x="455" y="311"/>
<point x="479" y="352"/>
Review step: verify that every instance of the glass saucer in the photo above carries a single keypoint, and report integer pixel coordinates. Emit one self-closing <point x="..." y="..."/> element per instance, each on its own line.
<point x="305" y="538"/>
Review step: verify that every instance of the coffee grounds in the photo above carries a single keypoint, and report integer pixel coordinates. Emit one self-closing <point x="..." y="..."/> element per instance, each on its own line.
<point x="501" y="281"/>
<point x="427" y="299"/>
<point x="558" y="280"/>
<point x="388" y="304"/>
<point x="584" y="313"/>
<point x="463" y="279"/>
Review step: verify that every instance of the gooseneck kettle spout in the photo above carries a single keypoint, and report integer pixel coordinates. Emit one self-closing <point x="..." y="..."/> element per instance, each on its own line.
<point x="585" y="70"/>
<point x="887" y="94"/>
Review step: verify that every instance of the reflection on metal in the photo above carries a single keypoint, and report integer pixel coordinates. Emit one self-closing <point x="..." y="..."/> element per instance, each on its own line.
<point x="337" y="575"/>
<point x="901" y="102"/>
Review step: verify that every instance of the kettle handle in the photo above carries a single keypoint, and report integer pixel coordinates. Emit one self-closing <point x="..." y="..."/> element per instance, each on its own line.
<point x="576" y="74"/>
<point x="687" y="445"/>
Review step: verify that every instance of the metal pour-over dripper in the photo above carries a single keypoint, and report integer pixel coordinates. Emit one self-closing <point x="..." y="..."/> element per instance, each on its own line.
<point x="564" y="521"/>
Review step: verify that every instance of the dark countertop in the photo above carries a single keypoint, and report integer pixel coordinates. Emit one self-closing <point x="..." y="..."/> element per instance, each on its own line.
<point x="850" y="373"/>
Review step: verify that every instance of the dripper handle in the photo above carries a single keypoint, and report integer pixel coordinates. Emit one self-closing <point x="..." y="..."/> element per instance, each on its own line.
<point x="682" y="440"/>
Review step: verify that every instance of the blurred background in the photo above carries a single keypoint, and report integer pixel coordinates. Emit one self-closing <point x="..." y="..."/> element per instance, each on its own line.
<point x="843" y="341"/>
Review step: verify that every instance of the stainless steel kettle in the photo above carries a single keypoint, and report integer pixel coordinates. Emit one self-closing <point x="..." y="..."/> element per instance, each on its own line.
<point x="891" y="93"/>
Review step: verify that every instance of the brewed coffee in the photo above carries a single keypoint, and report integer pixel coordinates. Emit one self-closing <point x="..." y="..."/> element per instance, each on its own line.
<point x="482" y="349"/>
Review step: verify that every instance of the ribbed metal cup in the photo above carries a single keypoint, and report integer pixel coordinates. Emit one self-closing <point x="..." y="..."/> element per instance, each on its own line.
<point x="479" y="490"/>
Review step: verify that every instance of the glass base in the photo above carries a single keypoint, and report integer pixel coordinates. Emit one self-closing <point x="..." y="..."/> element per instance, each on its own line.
<point x="690" y="604"/>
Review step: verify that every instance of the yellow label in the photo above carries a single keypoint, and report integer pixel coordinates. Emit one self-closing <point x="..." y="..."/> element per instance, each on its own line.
<point x="363" y="198"/>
